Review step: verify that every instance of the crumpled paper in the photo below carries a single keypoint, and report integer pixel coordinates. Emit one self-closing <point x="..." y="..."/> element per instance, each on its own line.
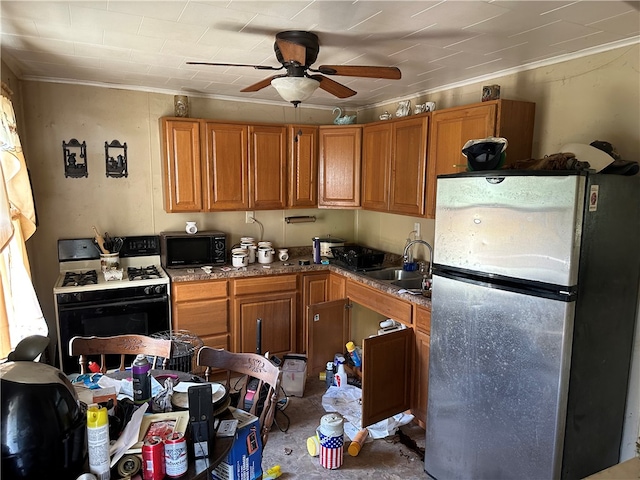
<point x="347" y="401"/>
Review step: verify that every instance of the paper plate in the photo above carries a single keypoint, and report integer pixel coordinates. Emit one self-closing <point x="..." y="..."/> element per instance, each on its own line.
<point x="586" y="153"/>
<point x="218" y="395"/>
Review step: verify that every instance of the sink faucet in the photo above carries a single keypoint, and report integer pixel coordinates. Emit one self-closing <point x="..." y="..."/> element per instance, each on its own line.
<point x="405" y="254"/>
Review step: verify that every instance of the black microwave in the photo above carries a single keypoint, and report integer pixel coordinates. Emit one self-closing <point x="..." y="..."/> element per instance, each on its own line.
<point x="185" y="250"/>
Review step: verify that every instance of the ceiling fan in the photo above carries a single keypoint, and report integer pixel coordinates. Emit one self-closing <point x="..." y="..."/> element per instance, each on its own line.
<point x="297" y="50"/>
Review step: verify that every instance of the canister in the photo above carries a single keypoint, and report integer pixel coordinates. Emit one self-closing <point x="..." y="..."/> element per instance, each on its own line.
<point x="331" y="436"/>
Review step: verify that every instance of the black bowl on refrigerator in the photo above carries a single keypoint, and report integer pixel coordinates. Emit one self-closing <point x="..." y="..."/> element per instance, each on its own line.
<point x="43" y="424"/>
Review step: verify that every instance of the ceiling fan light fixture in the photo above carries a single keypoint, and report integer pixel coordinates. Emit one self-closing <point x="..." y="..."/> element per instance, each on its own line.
<point x="295" y="89"/>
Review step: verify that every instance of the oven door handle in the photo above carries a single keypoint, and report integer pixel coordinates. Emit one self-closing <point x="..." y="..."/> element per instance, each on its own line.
<point x="119" y="303"/>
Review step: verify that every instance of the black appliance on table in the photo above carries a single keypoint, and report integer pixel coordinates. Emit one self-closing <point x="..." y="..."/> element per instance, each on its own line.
<point x="43" y="425"/>
<point x="87" y="304"/>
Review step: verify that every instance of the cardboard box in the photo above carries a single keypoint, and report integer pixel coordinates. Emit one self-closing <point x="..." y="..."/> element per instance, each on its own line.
<point x="244" y="461"/>
<point x="294" y="374"/>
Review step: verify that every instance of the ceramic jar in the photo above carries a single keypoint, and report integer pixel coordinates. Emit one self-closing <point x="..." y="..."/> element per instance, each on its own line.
<point x="191" y="227"/>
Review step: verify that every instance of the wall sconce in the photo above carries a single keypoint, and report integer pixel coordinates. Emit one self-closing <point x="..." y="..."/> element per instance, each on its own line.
<point x="75" y="158"/>
<point x="301" y="219"/>
<point x="116" y="166"/>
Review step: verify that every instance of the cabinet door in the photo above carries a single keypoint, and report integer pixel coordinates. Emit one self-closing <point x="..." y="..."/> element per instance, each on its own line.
<point x="408" y="166"/>
<point x="421" y="364"/>
<point x="267" y="167"/>
<point x="328" y="327"/>
<point x="386" y="375"/>
<point x="376" y="166"/>
<point x="226" y="167"/>
<point x="450" y="130"/>
<point x="303" y="167"/>
<point x="278" y="328"/>
<point x="182" y="172"/>
<point x="337" y="286"/>
<point x="339" y="158"/>
<point x="315" y="289"/>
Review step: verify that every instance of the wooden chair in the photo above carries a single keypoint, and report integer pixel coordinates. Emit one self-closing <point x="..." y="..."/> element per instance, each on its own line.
<point x="252" y="365"/>
<point x="122" y="345"/>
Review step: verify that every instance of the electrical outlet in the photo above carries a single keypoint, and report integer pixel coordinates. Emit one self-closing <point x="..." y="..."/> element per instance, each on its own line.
<point x="416" y="227"/>
<point x="249" y="217"/>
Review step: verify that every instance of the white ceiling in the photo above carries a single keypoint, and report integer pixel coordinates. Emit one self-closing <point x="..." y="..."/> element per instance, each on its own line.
<point x="436" y="44"/>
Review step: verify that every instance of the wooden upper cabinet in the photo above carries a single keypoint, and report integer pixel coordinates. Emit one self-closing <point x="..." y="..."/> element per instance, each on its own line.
<point x="339" y="169"/>
<point x="376" y="166"/>
<point x="303" y="166"/>
<point x="394" y="156"/>
<point x="267" y="167"/>
<point x="408" y="166"/>
<point x="453" y="127"/>
<point x="226" y="166"/>
<point x="181" y="167"/>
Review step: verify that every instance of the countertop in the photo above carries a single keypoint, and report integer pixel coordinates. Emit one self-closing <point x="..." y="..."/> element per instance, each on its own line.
<point x="293" y="266"/>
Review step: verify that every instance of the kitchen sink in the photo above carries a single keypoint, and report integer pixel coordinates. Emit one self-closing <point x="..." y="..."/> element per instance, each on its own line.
<point x="394" y="274"/>
<point x="408" y="283"/>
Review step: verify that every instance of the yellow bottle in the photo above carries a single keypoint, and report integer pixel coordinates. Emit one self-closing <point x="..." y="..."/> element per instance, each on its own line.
<point x="357" y="442"/>
<point x="98" y="442"/>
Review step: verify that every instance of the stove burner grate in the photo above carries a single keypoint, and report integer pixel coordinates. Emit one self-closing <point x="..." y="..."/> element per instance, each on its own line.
<point x="75" y="279"/>
<point x="143" y="273"/>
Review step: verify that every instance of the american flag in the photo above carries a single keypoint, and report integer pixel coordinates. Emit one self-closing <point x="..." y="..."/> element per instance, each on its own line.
<point x="331" y="451"/>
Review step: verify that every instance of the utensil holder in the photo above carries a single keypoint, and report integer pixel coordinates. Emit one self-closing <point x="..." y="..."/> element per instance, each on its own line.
<point x="109" y="261"/>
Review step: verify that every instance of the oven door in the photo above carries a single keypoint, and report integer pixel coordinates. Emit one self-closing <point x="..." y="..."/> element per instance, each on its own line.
<point x="107" y="318"/>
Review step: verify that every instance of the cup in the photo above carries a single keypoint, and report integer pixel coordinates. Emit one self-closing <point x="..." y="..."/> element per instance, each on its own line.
<point x="283" y="254"/>
<point x="109" y="261"/>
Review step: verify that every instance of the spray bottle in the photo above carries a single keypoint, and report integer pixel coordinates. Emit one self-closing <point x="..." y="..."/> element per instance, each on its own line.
<point x="98" y="441"/>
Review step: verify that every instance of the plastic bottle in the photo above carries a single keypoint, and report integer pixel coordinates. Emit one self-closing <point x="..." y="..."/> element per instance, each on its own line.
<point x="357" y="442"/>
<point x="355" y="356"/>
<point x="341" y="376"/>
<point x="329" y="374"/>
<point x="141" y="379"/>
<point x="316" y="250"/>
<point x="98" y="442"/>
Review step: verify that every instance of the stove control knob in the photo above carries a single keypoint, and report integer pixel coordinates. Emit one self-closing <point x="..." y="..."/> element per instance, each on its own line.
<point x="159" y="289"/>
<point x="77" y="296"/>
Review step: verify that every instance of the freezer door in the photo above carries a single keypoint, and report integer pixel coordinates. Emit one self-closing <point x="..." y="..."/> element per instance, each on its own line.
<point x="520" y="226"/>
<point x="498" y="376"/>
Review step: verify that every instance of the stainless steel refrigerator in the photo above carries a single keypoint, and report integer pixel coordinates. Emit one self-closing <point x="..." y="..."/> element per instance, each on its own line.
<point x="535" y="290"/>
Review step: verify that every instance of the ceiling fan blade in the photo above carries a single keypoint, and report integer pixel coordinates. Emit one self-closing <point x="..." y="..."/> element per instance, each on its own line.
<point x="257" y="67"/>
<point x="333" y="87"/>
<point x="392" y="73"/>
<point x="259" y="85"/>
<point x="292" y="52"/>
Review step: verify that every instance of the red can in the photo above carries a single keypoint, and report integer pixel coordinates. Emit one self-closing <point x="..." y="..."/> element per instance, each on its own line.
<point x="153" y="459"/>
<point x="175" y="454"/>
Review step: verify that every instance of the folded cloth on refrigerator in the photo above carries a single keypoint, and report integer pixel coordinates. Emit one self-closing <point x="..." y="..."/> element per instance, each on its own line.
<point x="347" y="402"/>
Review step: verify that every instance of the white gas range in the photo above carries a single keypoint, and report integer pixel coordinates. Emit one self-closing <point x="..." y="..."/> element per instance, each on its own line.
<point x="87" y="304"/>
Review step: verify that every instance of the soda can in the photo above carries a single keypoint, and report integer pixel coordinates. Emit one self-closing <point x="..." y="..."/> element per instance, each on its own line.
<point x="153" y="459"/>
<point x="175" y="455"/>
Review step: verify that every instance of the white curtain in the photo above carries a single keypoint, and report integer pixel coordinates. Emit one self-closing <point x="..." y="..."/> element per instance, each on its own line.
<point x="20" y="312"/>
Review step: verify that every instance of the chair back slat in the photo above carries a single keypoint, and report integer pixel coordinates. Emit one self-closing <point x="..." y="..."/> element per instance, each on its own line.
<point x="122" y="345"/>
<point x="251" y="365"/>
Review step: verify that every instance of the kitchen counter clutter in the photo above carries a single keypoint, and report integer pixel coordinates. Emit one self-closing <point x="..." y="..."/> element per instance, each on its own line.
<point x="294" y="266"/>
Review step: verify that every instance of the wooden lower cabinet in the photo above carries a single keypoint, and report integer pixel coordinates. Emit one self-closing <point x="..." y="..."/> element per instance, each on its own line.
<point x="387" y="369"/>
<point x="315" y="289"/>
<point x="422" y="318"/>
<point x="201" y="307"/>
<point x="273" y="299"/>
